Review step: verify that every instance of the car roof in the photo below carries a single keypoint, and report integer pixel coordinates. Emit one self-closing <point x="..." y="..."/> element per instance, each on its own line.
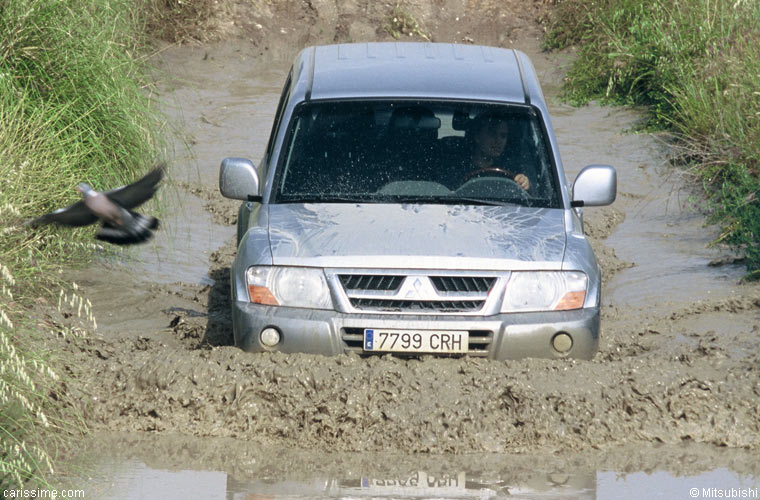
<point x="417" y="70"/>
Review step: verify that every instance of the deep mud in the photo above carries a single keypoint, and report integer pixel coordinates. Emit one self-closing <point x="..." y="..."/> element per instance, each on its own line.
<point x="679" y="357"/>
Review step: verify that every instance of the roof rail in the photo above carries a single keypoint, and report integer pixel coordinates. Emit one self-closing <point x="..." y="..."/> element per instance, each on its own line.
<point x="522" y="77"/>
<point x="310" y="81"/>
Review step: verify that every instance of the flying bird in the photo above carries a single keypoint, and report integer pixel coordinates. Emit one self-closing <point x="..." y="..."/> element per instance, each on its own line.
<point x="120" y="224"/>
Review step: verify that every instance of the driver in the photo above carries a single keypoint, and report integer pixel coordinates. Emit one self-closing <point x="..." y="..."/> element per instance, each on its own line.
<point x="489" y="136"/>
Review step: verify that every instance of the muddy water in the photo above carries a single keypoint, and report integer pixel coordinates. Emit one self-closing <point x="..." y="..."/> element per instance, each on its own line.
<point x="678" y="361"/>
<point x="220" y="103"/>
<point x="663" y="237"/>
<point x="174" y="467"/>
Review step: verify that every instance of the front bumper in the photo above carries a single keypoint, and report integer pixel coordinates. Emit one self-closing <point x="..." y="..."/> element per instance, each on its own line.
<point x="499" y="337"/>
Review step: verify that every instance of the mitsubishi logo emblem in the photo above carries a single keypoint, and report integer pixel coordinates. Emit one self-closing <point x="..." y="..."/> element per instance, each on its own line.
<point x="417" y="288"/>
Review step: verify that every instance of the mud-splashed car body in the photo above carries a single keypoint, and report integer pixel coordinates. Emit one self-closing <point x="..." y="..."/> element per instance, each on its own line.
<point x="367" y="227"/>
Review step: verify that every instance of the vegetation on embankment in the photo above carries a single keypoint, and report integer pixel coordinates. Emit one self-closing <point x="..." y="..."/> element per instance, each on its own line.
<point x="73" y="106"/>
<point x="696" y="65"/>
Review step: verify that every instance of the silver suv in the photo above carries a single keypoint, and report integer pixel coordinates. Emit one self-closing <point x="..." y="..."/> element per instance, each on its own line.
<point x="412" y="200"/>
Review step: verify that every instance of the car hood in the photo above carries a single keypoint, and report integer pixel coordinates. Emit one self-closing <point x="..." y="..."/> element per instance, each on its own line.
<point x="414" y="236"/>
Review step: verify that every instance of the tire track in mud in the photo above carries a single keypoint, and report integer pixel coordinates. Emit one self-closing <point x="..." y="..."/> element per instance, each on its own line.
<point x="651" y="382"/>
<point x="636" y="391"/>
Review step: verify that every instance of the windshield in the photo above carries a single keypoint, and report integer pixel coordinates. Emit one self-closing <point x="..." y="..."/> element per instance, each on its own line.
<point x="416" y="152"/>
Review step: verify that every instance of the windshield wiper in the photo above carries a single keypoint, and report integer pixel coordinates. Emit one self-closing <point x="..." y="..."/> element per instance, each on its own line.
<point x="433" y="200"/>
<point x="448" y="200"/>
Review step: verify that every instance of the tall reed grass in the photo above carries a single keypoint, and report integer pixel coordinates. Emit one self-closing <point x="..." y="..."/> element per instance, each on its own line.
<point x="74" y="106"/>
<point x="696" y="65"/>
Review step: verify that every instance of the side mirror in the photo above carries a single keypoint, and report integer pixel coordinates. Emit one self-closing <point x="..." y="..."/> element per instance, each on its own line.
<point x="238" y="179"/>
<point x="595" y="186"/>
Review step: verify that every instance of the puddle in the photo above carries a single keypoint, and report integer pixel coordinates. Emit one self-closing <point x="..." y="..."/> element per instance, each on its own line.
<point x="194" y="468"/>
<point x="138" y="482"/>
<point x="718" y="483"/>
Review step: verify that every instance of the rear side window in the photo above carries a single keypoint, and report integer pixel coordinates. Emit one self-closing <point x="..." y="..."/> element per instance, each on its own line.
<point x="407" y="151"/>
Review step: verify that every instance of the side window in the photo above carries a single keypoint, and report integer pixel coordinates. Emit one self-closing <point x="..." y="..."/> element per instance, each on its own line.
<point x="278" y="115"/>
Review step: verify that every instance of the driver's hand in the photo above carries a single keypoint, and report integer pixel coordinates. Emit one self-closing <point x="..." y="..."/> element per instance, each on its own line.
<point x="522" y="181"/>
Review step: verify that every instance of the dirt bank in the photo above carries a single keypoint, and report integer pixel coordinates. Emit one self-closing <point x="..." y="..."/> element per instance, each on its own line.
<point x="678" y="363"/>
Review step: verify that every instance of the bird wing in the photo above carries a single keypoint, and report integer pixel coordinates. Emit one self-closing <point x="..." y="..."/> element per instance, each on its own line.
<point x="129" y="196"/>
<point x="137" y="193"/>
<point x="137" y="229"/>
<point x="74" y="215"/>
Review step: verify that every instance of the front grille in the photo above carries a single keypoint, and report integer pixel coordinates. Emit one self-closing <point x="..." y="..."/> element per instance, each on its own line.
<point x="444" y="306"/>
<point x="370" y="282"/>
<point x="462" y="283"/>
<point x="478" y="343"/>
<point x="416" y="292"/>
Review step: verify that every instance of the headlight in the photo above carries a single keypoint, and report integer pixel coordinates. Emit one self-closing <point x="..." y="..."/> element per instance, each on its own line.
<point x="545" y="291"/>
<point x="288" y="286"/>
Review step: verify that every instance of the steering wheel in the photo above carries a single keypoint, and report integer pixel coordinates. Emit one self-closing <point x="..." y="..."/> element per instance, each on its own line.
<point x="502" y="185"/>
<point x="501" y="172"/>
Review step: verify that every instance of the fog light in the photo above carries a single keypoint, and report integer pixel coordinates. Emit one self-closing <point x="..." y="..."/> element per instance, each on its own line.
<point x="562" y="342"/>
<point x="270" y="337"/>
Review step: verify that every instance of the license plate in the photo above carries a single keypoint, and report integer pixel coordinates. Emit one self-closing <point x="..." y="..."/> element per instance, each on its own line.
<point x="424" y="341"/>
<point x="418" y="484"/>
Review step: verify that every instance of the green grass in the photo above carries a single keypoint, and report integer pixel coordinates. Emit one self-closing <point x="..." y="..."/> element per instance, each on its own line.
<point x="402" y="23"/>
<point x="74" y="106"/>
<point x="695" y="65"/>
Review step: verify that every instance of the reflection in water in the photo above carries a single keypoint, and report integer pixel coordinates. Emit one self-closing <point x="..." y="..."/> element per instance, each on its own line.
<point x="718" y="483"/>
<point x="420" y="484"/>
<point x="136" y="481"/>
<point x="146" y="466"/>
